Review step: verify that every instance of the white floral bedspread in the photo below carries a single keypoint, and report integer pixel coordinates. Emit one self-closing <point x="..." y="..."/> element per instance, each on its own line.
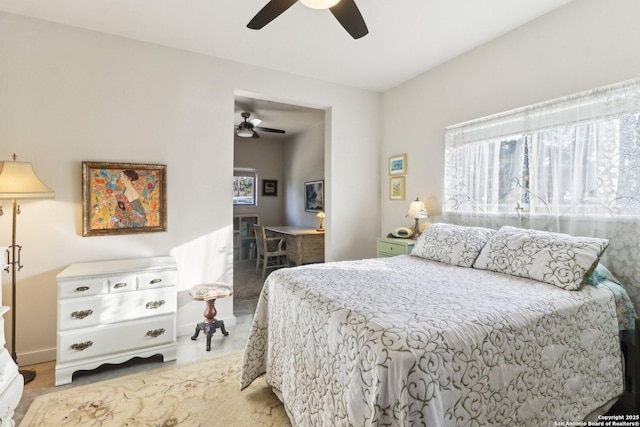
<point x="406" y="341"/>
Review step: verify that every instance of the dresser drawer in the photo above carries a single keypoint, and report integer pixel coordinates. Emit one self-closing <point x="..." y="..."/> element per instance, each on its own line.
<point x="107" y="339"/>
<point x="82" y="288"/>
<point x="156" y="280"/>
<point x="125" y="283"/>
<point x="76" y="313"/>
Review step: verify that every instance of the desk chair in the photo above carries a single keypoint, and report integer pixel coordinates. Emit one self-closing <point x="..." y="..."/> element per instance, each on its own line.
<point x="271" y="251"/>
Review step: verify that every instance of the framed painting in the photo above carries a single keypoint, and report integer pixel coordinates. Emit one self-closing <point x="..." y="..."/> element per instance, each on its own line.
<point x="269" y="187"/>
<point x="314" y="196"/>
<point x="398" y="164"/>
<point x="396" y="188"/>
<point x="123" y="198"/>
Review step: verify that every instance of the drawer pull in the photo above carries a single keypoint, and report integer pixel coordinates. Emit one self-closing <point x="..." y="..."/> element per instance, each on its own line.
<point x="155" y="304"/>
<point x="81" y="314"/>
<point x="82" y="288"/>
<point x="119" y="285"/>
<point x="155" y="333"/>
<point x="154" y="281"/>
<point x="81" y="345"/>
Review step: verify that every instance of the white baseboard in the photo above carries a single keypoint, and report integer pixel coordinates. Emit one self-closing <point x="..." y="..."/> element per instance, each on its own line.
<point x="34" y="357"/>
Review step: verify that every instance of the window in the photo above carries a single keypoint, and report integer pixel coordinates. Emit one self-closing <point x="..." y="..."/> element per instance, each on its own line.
<point x="244" y="187"/>
<point x="575" y="155"/>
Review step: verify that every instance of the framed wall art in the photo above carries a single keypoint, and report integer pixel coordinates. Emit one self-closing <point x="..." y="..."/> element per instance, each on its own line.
<point x="396" y="188"/>
<point x="123" y="198"/>
<point x="269" y="187"/>
<point x="314" y="196"/>
<point x="398" y="164"/>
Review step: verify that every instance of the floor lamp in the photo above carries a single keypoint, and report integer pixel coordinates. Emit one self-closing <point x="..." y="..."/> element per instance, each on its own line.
<point x="18" y="181"/>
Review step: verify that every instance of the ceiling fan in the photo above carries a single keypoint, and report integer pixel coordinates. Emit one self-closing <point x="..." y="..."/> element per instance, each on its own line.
<point x="345" y="11"/>
<point x="247" y="128"/>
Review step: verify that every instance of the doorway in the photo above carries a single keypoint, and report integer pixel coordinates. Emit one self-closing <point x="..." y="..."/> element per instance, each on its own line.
<point x="286" y="149"/>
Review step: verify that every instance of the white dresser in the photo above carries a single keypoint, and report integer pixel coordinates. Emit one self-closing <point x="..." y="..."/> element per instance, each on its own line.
<point x="111" y="311"/>
<point x="11" y="382"/>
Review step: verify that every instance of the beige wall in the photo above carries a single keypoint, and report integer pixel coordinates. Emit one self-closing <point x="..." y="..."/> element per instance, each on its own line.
<point x="305" y="162"/>
<point x="68" y="95"/>
<point x="267" y="157"/>
<point x="583" y="45"/>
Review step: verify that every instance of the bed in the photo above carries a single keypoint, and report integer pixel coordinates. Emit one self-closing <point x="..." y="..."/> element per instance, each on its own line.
<point x="468" y="330"/>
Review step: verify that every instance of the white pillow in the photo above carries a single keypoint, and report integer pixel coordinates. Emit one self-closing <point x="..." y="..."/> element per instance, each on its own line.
<point x="559" y="259"/>
<point x="452" y="244"/>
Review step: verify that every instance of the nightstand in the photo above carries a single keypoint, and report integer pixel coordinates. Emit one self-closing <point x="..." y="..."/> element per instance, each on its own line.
<point x="629" y="401"/>
<point x="389" y="246"/>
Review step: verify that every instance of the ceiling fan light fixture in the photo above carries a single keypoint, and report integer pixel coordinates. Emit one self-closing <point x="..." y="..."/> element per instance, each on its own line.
<point x="319" y="4"/>
<point x="244" y="133"/>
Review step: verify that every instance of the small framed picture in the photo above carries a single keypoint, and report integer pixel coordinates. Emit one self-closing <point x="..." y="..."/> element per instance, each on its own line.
<point x="314" y="196"/>
<point x="269" y="187"/>
<point x="396" y="188"/>
<point x="398" y="164"/>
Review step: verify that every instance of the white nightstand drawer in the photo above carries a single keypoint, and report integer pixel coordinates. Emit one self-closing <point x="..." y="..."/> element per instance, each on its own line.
<point x="103" y="340"/>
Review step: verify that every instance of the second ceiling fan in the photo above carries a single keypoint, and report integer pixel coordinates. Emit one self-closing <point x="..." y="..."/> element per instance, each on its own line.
<point x="247" y="128"/>
<point x="345" y="11"/>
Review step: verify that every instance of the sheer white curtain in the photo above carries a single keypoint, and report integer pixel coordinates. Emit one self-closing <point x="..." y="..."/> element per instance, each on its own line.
<point x="569" y="165"/>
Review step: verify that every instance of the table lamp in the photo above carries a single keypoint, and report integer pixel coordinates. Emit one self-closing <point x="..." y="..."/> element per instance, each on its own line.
<point x="321" y="215"/>
<point x="417" y="211"/>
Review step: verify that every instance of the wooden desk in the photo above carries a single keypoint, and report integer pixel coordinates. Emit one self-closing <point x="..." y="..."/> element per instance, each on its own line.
<point x="304" y="245"/>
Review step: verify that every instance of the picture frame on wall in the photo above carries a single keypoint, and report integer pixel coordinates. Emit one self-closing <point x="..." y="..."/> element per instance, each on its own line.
<point x="269" y="187"/>
<point x="314" y="196"/>
<point x="396" y="188"/>
<point x="398" y="164"/>
<point x="123" y="198"/>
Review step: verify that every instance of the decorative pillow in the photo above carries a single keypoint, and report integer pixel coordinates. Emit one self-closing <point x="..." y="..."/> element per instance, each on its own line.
<point x="559" y="259"/>
<point x="452" y="244"/>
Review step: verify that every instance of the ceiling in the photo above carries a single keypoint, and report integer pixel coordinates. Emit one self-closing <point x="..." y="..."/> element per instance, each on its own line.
<point x="406" y="37"/>
<point x="293" y="119"/>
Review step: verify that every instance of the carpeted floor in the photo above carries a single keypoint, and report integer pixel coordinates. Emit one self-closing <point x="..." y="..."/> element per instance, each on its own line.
<point x="197" y="394"/>
<point x="247" y="282"/>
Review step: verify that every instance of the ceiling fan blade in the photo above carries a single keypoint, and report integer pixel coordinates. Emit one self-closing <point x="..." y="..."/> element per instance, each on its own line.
<point x="255" y="134"/>
<point x="269" y="130"/>
<point x="271" y="11"/>
<point x="349" y="16"/>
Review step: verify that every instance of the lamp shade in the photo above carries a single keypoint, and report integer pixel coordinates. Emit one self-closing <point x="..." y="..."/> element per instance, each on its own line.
<point x="19" y="181"/>
<point x="417" y="210"/>
<point x="321" y="214"/>
<point x="245" y="133"/>
<point x="319" y="4"/>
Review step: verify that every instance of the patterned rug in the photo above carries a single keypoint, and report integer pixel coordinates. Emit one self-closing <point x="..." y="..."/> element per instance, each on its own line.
<point x="198" y="394"/>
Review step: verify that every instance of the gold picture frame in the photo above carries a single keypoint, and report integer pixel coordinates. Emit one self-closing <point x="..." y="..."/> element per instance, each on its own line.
<point x="398" y="164"/>
<point x="123" y="198"/>
<point x="396" y="188"/>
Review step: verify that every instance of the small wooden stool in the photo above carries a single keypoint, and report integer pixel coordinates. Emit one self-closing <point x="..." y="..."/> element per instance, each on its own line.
<point x="209" y="293"/>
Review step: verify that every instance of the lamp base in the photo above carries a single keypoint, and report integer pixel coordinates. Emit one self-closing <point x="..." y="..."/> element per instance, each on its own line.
<point x="28" y="375"/>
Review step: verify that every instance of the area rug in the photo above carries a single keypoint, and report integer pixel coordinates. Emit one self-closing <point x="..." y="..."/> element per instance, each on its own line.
<point x="197" y="394"/>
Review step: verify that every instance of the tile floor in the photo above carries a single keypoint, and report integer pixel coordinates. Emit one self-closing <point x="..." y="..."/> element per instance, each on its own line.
<point x="188" y="351"/>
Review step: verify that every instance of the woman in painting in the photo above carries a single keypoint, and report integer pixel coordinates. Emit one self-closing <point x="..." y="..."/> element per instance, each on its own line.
<point x="130" y="212"/>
